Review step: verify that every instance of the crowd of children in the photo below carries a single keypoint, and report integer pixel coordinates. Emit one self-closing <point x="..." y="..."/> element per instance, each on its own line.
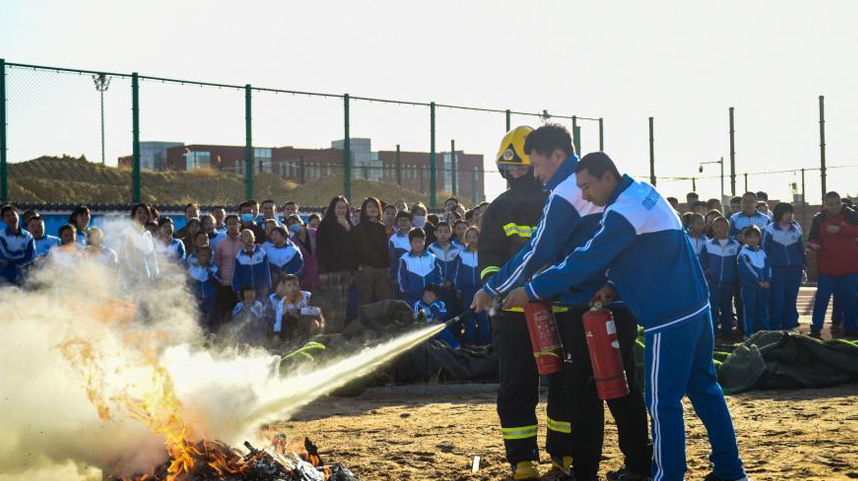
<point x="755" y="262"/>
<point x="255" y="273"/>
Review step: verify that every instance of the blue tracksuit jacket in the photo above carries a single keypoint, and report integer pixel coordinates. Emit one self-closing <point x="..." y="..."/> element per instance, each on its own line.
<point x="16" y="251"/>
<point x="739" y="221"/>
<point x="415" y="273"/>
<point x="205" y="283"/>
<point x="251" y="270"/>
<point x="45" y="244"/>
<point x="467" y="271"/>
<point x="447" y="259"/>
<point x="176" y="249"/>
<point x="651" y="261"/>
<point x="697" y="243"/>
<point x="784" y="248"/>
<point x="396" y="247"/>
<point x="436" y="312"/>
<point x="753" y="267"/>
<point x="567" y="222"/>
<point x="719" y="262"/>
<point x="283" y="260"/>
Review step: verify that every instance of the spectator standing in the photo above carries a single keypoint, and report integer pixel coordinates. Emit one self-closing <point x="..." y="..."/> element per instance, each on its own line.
<point x="459" y="228"/>
<point x="192" y="211"/>
<point x="137" y="256"/>
<point x="674" y="203"/>
<point x="247" y="325"/>
<point x="44" y="243"/>
<point x="284" y="257"/>
<point x="735" y="206"/>
<point x="388" y="218"/>
<point x="251" y="267"/>
<point x="784" y="247"/>
<point x="755" y="274"/>
<point x="398" y="244"/>
<point x="80" y="219"/>
<point x="219" y="214"/>
<point x="248" y="212"/>
<point x="747" y="217"/>
<point x="269" y="211"/>
<point x="338" y="261"/>
<point x="477" y="330"/>
<point x="417" y="268"/>
<point x="370" y="238"/>
<point x="166" y="245"/>
<point x="763" y="205"/>
<point x="313" y="221"/>
<point x="203" y="275"/>
<point x="97" y="251"/>
<point x="194" y="226"/>
<point x="448" y="256"/>
<point x="209" y="226"/>
<point x="401" y="206"/>
<point x="418" y="219"/>
<point x="305" y="239"/>
<point x="450" y="204"/>
<point x="290" y="208"/>
<point x="224" y="258"/>
<point x="696" y="226"/>
<point x="714" y="204"/>
<point x="17" y="247"/>
<point x="718" y="259"/>
<point x="691" y="198"/>
<point x="833" y="236"/>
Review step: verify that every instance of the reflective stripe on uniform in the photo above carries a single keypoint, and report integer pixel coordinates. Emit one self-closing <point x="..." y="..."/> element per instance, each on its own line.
<point x="489" y="270"/>
<point x="554" y="309"/>
<point x="520" y="230"/>
<point x="559" y="426"/>
<point x="519" y="432"/>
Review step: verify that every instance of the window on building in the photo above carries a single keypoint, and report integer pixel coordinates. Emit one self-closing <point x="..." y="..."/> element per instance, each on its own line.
<point x="198" y="159"/>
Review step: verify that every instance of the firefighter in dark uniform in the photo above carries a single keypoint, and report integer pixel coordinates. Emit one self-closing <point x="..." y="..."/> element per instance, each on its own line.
<point x="505" y="228"/>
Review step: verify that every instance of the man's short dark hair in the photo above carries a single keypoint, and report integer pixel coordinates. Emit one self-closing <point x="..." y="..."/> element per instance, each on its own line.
<point x="672" y="200"/>
<point x="433" y="288"/>
<point x="280" y="229"/>
<point x="288" y="278"/>
<point x="229" y="217"/>
<point x="442" y="224"/>
<point x="188" y="206"/>
<point x="415" y="233"/>
<point x="752" y="230"/>
<point x="433" y="218"/>
<point x="164" y="220"/>
<point x="735" y="200"/>
<point x="453" y="199"/>
<point x="762" y="195"/>
<point x="7" y="208"/>
<point x="66" y="227"/>
<point x="749" y="194"/>
<point x="691" y="195"/>
<point x="469" y="214"/>
<point x="711" y="203"/>
<point x="290" y="202"/>
<point x="244" y="204"/>
<point x="596" y="164"/>
<point x="548" y="138"/>
<point x="403" y="213"/>
<point x="698" y="203"/>
<point x="248" y="288"/>
<point x="219" y="207"/>
<point x="268" y="201"/>
<point x="832" y="195"/>
<point x="460" y="221"/>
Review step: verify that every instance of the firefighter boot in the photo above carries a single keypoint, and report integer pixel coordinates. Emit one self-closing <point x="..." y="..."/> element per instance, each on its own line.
<point x="525" y="470"/>
<point x="564" y="464"/>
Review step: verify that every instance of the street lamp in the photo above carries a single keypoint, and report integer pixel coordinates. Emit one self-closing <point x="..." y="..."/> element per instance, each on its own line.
<point x="101" y="83"/>
<point x="700" y="169"/>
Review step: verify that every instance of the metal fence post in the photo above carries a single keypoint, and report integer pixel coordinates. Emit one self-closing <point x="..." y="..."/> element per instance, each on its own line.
<point x="135" y="138"/>
<point x="433" y="196"/>
<point x="248" y="144"/>
<point x="576" y="135"/>
<point x="694" y="184"/>
<point x="398" y="167"/>
<point x="474" y="177"/>
<point x="732" y="157"/>
<point x="508" y="120"/>
<point x="651" y="154"/>
<point x="4" y="173"/>
<point x="803" y="198"/>
<point x="822" y="142"/>
<point x="347" y="150"/>
<point x="601" y="135"/>
<point x="746" y="181"/>
<point x="454" y="167"/>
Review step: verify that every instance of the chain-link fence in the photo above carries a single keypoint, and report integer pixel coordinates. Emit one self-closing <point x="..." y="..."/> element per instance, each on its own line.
<point x="87" y="137"/>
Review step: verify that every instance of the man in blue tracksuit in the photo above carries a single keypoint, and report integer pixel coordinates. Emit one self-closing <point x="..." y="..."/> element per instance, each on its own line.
<point x="652" y="266"/>
<point x="718" y="258"/>
<point x="568" y="221"/>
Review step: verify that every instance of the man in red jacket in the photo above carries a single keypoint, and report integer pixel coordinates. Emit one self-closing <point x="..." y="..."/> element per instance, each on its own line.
<point x="833" y="236"/>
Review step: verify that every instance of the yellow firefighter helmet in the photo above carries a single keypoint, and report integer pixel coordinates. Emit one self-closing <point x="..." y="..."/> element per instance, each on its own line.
<point x="511" y="152"/>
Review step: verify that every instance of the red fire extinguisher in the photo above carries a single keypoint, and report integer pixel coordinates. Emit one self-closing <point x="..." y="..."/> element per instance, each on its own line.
<point x="542" y="327"/>
<point x="605" y="356"/>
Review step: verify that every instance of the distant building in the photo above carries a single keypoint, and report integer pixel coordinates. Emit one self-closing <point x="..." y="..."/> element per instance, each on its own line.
<point x="412" y="170"/>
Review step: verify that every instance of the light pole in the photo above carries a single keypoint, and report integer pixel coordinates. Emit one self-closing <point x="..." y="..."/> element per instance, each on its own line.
<point x="721" y="161"/>
<point x="101" y="83"/>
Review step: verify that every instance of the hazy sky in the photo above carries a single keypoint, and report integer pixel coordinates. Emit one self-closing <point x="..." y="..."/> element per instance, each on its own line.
<point x="682" y="62"/>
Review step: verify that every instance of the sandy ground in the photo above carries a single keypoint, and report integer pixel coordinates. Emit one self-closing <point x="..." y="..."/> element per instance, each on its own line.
<point x="806" y="434"/>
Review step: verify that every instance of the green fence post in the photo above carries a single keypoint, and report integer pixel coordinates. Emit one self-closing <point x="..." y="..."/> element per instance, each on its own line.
<point x="601" y="135"/>
<point x="822" y="142"/>
<point x="508" y="120"/>
<point x="652" y="178"/>
<point x="454" y="167"/>
<point x="576" y="135"/>
<point x="398" y="167"/>
<point x="248" y="143"/>
<point x="135" y="138"/>
<point x="4" y="173"/>
<point x="347" y="150"/>
<point x="433" y="197"/>
<point x="474" y="177"/>
<point x="732" y="156"/>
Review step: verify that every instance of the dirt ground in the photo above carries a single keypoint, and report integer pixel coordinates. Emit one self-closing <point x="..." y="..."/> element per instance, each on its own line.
<point x="805" y="434"/>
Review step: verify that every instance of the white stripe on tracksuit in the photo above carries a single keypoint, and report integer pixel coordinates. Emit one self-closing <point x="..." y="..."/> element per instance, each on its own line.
<point x="656" y="427"/>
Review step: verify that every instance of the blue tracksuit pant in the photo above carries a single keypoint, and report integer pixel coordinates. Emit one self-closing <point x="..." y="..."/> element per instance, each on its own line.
<point x="756" y="303"/>
<point x="477" y="330"/>
<point x="739" y="305"/>
<point x="721" y="300"/>
<point x="846" y="287"/>
<point x="679" y="362"/>
<point x="783" y="296"/>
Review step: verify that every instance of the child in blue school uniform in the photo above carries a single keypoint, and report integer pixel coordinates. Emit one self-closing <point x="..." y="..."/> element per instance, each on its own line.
<point x="435" y="311"/>
<point x="477" y="329"/>
<point x="784" y="248"/>
<point x="203" y="274"/>
<point x="398" y="245"/>
<point x="448" y="255"/>
<point x="755" y="274"/>
<point x="718" y="258"/>
<point x="251" y="267"/>
<point x="696" y="228"/>
<point x="417" y="269"/>
<point x="284" y="257"/>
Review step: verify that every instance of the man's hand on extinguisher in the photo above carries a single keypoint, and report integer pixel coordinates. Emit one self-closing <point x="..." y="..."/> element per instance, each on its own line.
<point x="517" y="298"/>
<point x="481" y="302"/>
<point x="606" y="295"/>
